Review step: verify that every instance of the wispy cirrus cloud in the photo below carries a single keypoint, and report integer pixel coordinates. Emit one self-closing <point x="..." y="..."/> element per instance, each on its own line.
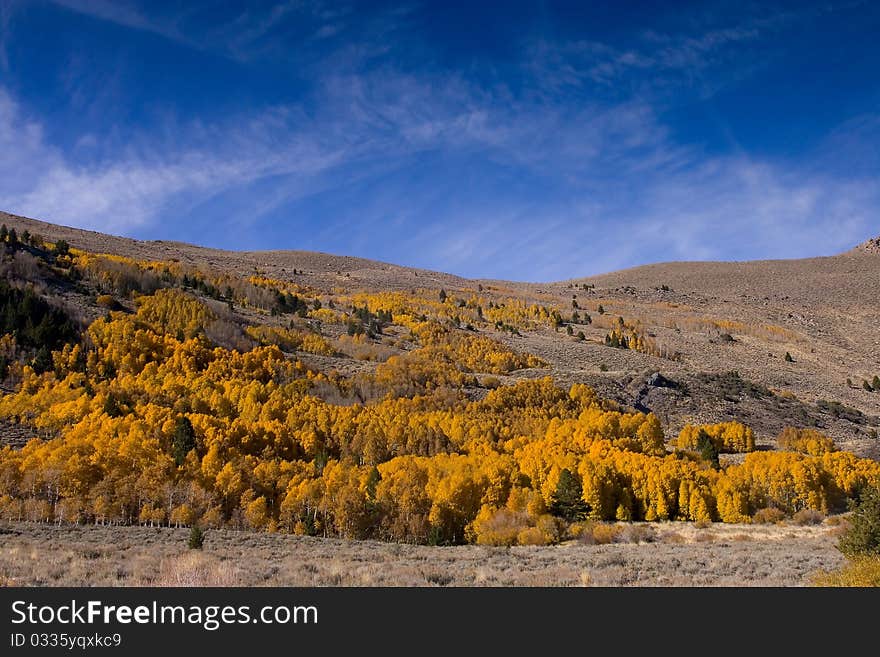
<point x="613" y="181"/>
<point x="426" y="166"/>
<point x="258" y="29"/>
<point x="126" y="192"/>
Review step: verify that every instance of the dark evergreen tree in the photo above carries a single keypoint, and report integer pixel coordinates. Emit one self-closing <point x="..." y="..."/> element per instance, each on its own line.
<point x="62" y="248"/>
<point x="196" y="538"/>
<point x="707" y="449"/>
<point x="373" y="479"/>
<point x="863" y="534"/>
<point x="42" y="361"/>
<point x="567" y="501"/>
<point x="112" y="406"/>
<point x="184" y="440"/>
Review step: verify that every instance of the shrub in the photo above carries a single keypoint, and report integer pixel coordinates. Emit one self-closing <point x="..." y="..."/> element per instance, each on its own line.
<point x="491" y="382"/>
<point x="805" y="441"/>
<point x="107" y="301"/>
<point x="499" y="527"/>
<point x="196" y="538"/>
<point x="839" y="410"/>
<point x="768" y="516"/>
<point x="860" y="572"/>
<point x="606" y="533"/>
<point x="863" y="535"/>
<point x="808" y="517"/>
<point x="636" y="533"/>
<point x="578" y="529"/>
<point x="674" y="538"/>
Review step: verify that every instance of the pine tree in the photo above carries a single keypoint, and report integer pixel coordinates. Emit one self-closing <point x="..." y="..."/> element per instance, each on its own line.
<point x="567" y="501"/>
<point x="62" y="248"/>
<point x="373" y="479"/>
<point x="42" y="360"/>
<point x="707" y="449"/>
<point x="184" y="440"/>
<point x="863" y="535"/>
<point x="196" y="538"/>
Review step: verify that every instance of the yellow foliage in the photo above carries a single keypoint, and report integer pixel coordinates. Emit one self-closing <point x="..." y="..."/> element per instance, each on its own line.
<point x="291" y="340"/>
<point x="806" y="441"/>
<point x="400" y="453"/>
<point x="174" y="312"/>
<point x="728" y="437"/>
<point x="857" y="572"/>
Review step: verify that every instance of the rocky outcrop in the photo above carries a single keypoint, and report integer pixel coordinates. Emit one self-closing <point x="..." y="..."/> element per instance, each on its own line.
<point x="871" y="246"/>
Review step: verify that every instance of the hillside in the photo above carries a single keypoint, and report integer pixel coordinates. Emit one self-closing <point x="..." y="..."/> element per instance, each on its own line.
<point x="822" y="311"/>
<point x="165" y="383"/>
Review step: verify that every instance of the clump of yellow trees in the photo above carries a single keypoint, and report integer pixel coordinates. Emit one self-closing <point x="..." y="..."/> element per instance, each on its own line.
<point x="148" y="422"/>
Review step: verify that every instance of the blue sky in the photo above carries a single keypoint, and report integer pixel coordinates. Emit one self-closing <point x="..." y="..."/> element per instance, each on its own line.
<point x="530" y="141"/>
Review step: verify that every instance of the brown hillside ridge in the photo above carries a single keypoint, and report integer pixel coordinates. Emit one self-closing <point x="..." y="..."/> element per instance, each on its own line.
<point x="870" y="246"/>
<point x="719" y="331"/>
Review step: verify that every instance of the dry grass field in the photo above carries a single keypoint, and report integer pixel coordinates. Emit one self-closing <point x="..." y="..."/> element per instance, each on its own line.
<point x="657" y="554"/>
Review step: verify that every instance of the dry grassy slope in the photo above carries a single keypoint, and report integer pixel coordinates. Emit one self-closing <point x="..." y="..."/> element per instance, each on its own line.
<point x="317" y="268"/>
<point x="678" y="554"/>
<point x="824" y="311"/>
<point x="830" y="306"/>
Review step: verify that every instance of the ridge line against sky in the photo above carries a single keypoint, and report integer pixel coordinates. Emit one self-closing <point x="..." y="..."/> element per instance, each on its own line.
<point x="544" y="142"/>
